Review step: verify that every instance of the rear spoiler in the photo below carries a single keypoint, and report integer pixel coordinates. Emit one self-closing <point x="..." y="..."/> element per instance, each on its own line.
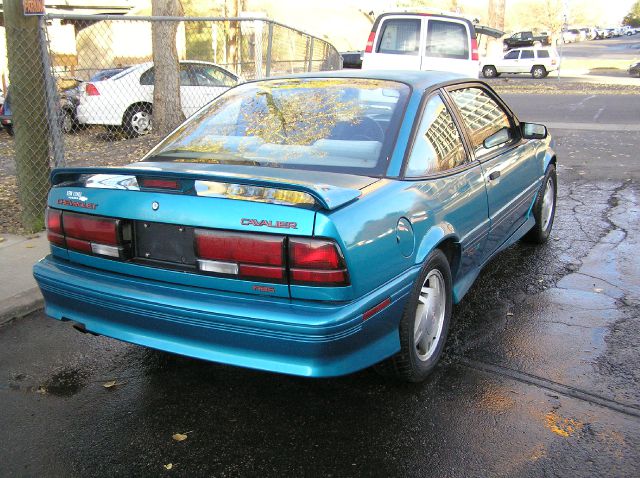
<point x="328" y="196"/>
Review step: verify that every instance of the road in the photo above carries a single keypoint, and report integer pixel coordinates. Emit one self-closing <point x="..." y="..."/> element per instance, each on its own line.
<point x="541" y="375"/>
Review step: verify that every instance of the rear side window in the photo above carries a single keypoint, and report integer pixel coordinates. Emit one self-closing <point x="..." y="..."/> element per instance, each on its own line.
<point x="447" y="40"/>
<point x="437" y="146"/>
<point x="543" y="54"/>
<point x="148" y="77"/>
<point x="481" y="114"/>
<point x="400" y="36"/>
<point x="526" y="54"/>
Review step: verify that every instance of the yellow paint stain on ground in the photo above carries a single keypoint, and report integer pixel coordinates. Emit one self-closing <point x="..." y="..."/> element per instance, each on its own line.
<point x="564" y="427"/>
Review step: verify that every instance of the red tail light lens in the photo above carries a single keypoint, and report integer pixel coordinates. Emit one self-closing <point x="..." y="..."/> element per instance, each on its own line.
<point x="316" y="262"/>
<point x="105" y="236"/>
<point x="55" y="234"/>
<point x="257" y="256"/>
<point x="313" y="254"/>
<point x="474" y="49"/>
<point x="243" y="248"/>
<point x="371" y="39"/>
<point x="91" y="228"/>
<point x="159" y="183"/>
<point x="91" y="90"/>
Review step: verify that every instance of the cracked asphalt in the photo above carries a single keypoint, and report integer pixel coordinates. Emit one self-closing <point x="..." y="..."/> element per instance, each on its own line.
<point x="541" y="375"/>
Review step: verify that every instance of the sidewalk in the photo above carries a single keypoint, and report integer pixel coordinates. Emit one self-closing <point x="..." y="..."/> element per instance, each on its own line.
<point x="19" y="294"/>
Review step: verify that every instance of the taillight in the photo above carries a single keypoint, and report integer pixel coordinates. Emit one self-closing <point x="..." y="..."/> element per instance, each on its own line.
<point x="159" y="183"/>
<point x="105" y="236"/>
<point x="316" y="262"/>
<point x="474" y="49"/>
<point x="91" y="90"/>
<point x="263" y="257"/>
<point x="369" y="47"/>
<point x="55" y="234"/>
<point x="243" y="255"/>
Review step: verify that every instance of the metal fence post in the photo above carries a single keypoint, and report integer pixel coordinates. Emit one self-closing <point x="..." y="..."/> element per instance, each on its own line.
<point x="51" y="96"/>
<point x="310" y="55"/>
<point x="269" y="47"/>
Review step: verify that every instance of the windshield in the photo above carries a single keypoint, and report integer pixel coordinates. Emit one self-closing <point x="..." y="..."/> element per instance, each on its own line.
<point x="325" y="124"/>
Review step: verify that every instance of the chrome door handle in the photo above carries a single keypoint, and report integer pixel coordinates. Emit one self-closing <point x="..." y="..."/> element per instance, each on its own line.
<point x="494" y="175"/>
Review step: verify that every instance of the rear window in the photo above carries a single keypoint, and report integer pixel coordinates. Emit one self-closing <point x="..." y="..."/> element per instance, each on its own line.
<point x="526" y="54"/>
<point x="324" y="124"/>
<point x="447" y="40"/>
<point x="543" y="54"/>
<point x="400" y="36"/>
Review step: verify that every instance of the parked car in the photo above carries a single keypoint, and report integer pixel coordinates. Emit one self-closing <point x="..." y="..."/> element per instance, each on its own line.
<point x="311" y="225"/>
<point x="352" y="59"/>
<point x="634" y="69"/>
<point x="525" y="38"/>
<point x="70" y="98"/>
<point x="539" y="62"/>
<point x="569" y="36"/>
<point x="125" y="100"/>
<point x="413" y="41"/>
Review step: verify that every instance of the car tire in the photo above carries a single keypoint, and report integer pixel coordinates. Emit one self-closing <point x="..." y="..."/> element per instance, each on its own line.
<point x="489" y="71"/>
<point x="544" y="209"/>
<point x="539" y="72"/>
<point x="137" y="120"/>
<point x="9" y="129"/>
<point x="417" y="358"/>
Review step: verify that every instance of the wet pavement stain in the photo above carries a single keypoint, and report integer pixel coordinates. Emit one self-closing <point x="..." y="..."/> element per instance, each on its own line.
<point x="66" y="382"/>
<point x="564" y="427"/>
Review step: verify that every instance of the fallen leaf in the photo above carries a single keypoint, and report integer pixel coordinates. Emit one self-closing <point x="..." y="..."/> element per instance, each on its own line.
<point x="179" y="436"/>
<point x="597" y="289"/>
<point x="1" y="239"/>
<point x="41" y="390"/>
<point x="29" y="246"/>
<point x="509" y="314"/>
<point x="540" y="280"/>
<point x="109" y="384"/>
<point x="168" y="466"/>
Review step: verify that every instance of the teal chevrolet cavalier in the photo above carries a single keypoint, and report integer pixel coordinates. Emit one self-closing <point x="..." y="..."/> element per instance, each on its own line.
<point x="313" y="225"/>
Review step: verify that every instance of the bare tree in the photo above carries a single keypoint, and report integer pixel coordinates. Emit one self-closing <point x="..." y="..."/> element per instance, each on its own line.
<point x="167" y="109"/>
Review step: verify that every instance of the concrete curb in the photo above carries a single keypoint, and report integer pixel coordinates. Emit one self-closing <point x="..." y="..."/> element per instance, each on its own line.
<point x="20" y="305"/>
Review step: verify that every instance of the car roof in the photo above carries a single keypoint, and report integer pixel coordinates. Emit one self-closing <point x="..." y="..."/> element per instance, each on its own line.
<point x="415" y="79"/>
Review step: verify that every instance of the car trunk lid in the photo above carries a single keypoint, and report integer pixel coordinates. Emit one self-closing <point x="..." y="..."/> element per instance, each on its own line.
<point x="167" y="207"/>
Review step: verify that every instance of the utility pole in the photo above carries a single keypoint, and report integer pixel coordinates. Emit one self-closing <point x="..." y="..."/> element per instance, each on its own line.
<point x="496" y="14"/>
<point x="29" y="108"/>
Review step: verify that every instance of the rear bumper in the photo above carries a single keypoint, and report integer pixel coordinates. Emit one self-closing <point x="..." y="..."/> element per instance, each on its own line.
<point x="99" y="113"/>
<point x="293" y="337"/>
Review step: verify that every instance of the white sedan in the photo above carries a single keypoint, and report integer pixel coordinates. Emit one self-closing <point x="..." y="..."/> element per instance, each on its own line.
<point x="125" y="101"/>
<point x="538" y="62"/>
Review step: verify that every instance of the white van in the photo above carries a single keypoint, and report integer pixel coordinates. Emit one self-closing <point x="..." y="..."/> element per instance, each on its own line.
<point x="421" y="41"/>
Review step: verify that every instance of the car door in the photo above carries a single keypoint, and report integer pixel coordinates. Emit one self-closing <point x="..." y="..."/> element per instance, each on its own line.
<point x="447" y="46"/>
<point x="509" y="168"/>
<point x="448" y="184"/>
<point x="510" y="62"/>
<point x="526" y="61"/>
<point x="397" y="44"/>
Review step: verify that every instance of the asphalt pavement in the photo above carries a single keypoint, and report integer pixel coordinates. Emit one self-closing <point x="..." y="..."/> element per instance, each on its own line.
<point x="541" y="374"/>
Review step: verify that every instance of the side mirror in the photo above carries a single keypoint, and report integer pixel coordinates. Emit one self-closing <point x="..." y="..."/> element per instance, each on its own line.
<point x="533" y="131"/>
<point x="499" y="137"/>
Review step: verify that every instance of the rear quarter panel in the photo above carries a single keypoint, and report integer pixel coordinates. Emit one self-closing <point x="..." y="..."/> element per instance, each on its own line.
<point x="437" y="209"/>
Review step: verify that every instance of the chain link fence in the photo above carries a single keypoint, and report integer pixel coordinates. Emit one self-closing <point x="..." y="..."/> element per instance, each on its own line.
<point x="99" y="99"/>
